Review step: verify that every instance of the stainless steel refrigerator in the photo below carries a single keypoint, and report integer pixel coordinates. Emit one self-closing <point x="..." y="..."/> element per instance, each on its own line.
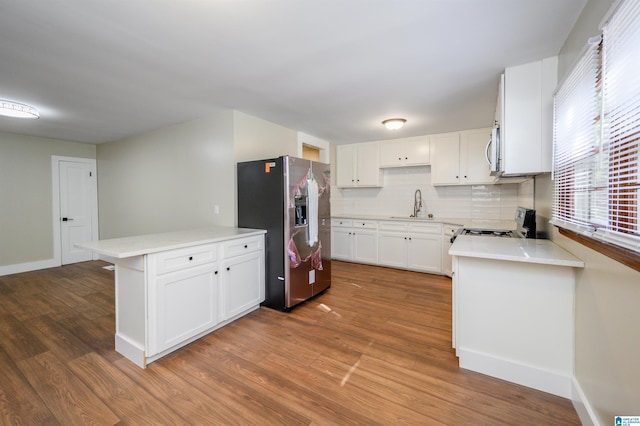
<point x="289" y="197"/>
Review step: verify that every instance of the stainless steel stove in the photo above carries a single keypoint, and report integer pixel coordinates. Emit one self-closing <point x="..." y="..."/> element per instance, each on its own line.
<point x="503" y="233"/>
<point x="526" y="227"/>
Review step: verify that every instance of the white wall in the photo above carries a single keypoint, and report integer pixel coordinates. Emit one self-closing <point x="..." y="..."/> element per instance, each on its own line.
<point x="26" y="225"/>
<point x="607" y="344"/>
<point x="257" y="139"/>
<point x="396" y="197"/>
<point x="168" y="179"/>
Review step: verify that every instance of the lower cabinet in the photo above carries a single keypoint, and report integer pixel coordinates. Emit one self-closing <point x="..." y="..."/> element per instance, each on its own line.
<point x="354" y="240"/>
<point x="194" y="290"/>
<point x="242" y="283"/>
<point x="413" y="246"/>
<point x="185" y="304"/>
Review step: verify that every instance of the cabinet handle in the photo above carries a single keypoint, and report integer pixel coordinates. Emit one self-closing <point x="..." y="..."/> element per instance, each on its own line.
<point x="409" y="238"/>
<point x="406" y="158"/>
<point x="405" y="238"/>
<point x="228" y="268"/>
<point x="399" y="158"/>
<point x="215" y="273"/>
<point x="245" y="246"/>
<point x="190" y="257"/>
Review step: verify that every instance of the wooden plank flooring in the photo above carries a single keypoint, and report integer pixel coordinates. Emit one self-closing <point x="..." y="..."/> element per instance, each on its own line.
<point x="373" y="350"/>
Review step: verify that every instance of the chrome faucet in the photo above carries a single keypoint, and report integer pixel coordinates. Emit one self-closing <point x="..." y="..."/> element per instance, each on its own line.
<point x="417" y="202"/>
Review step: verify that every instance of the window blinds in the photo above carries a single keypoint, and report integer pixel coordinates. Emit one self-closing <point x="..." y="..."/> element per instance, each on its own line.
<point x="621" y="124"/>
<point x="597" y="134"/>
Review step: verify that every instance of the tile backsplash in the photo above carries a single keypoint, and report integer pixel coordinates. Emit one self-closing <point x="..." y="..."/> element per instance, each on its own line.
<point x="396" y="197"/>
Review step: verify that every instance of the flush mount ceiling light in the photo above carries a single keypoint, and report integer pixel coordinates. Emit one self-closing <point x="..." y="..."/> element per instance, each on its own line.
<point x="15" y="109"/>
<point x="394" y="123"/>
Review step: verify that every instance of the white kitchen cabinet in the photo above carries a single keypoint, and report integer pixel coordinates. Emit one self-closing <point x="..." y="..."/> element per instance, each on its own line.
<point x="411" y="245"/>
<point x="459" y="158"/>
<point x="413" y="151"/>
<point x="173" y="288"/>
<point x="183" y="295"/>
<point x="341" y="241"/>
<point x="354" y="240"/>
<point x="527" y="127"/>
<point x="242" y="276"/>
<point x="358" y="165"/>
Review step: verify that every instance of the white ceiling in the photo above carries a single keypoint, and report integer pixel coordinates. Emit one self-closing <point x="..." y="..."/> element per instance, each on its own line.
<point x="102" y="70"/>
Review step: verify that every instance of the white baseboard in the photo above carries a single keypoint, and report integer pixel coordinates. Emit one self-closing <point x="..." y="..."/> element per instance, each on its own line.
<point x="131" y="350"/>
<point x="526" y="375"/>
<point x="29" y="266"/>
<point x="581" y="404"/>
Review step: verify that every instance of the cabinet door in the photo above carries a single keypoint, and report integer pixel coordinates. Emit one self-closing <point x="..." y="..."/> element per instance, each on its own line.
<point x="346" y="165"/>
<point x="368" y="164"/>
<point x="243" y="283"/>
<point x="365" y="246"/>
<point x="425" y="253"/>
<point x="393" y="249"/>
<point x="417" y="151"/>
<point x="181" y="305"/>
<point x="474" y="166"/>
<point x="392" y="153"/>
<point x="445" y="159"/>
<point x="341" y="244"/>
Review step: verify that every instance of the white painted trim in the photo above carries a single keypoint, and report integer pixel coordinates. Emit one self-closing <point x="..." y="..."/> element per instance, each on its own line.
<point x="131" y="350"/>
<point x="583" y="407"/>
<point x="28" y="266"/>
<point x="322" y="145"/>
<point x="522" y="374"/>
<point x="55" y="195"/>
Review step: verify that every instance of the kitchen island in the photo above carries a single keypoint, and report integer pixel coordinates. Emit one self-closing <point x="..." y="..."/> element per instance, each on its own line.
<point x="513" y="310"/>
<point x="173" y="288"/>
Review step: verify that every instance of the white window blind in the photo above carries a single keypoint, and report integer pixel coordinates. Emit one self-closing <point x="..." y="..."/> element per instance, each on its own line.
<point x="597" y="134"/>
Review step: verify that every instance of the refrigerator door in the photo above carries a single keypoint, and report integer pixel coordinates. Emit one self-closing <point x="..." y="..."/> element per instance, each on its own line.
<point x="298" y="287"/>
<point x="309" y="230"/>
<point x="322" y="174"/>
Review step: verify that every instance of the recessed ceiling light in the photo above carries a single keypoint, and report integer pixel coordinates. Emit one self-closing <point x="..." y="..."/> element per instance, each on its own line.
<point x="15" y="109"/>
<point x="394" y="123"/>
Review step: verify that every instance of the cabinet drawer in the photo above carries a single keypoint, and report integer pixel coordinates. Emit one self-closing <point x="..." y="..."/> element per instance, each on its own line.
<point x="365" y="224"/>
<point x="426" y="228"/>
<point x="176" y="260"/>
<point x="341" y="223"/>
<point x="242" y="246"/>
<point x="393" y="226"/>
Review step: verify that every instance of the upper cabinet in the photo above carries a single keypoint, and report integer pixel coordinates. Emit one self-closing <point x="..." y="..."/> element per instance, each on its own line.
<point x="358" y="165"/>
<point x="459" y="158"/>
<point x="413" y="151"/>
<point x="525" y="115"/>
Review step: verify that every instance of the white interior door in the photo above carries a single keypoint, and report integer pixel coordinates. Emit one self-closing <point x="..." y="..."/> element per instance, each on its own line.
<point x="76" y="209"/>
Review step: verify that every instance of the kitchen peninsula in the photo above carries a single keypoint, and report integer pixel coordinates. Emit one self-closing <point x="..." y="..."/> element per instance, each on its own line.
<point x="173" y="288"/>
<point x="513" y="310"/>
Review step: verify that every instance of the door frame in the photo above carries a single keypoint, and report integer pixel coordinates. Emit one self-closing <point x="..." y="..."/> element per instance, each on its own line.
<point x="55" y="196"/>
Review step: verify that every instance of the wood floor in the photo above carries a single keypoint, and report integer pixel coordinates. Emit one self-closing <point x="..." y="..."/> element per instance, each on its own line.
<point x="374" y="349"/>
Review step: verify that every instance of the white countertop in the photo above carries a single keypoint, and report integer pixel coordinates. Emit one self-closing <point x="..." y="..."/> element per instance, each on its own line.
<point x="153" y="243"/>
<point x="466" y="222"/>
<point x="514" y="249"/>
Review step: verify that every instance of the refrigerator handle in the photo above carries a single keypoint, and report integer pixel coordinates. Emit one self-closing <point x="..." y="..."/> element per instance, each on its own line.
<point x="281" y="278"/>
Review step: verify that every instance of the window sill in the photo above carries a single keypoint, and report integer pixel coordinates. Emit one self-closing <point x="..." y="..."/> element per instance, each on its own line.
<point x="619" y="254"/>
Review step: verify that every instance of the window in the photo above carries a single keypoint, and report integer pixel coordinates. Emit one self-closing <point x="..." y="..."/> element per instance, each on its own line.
<point x="597" y="136"/>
